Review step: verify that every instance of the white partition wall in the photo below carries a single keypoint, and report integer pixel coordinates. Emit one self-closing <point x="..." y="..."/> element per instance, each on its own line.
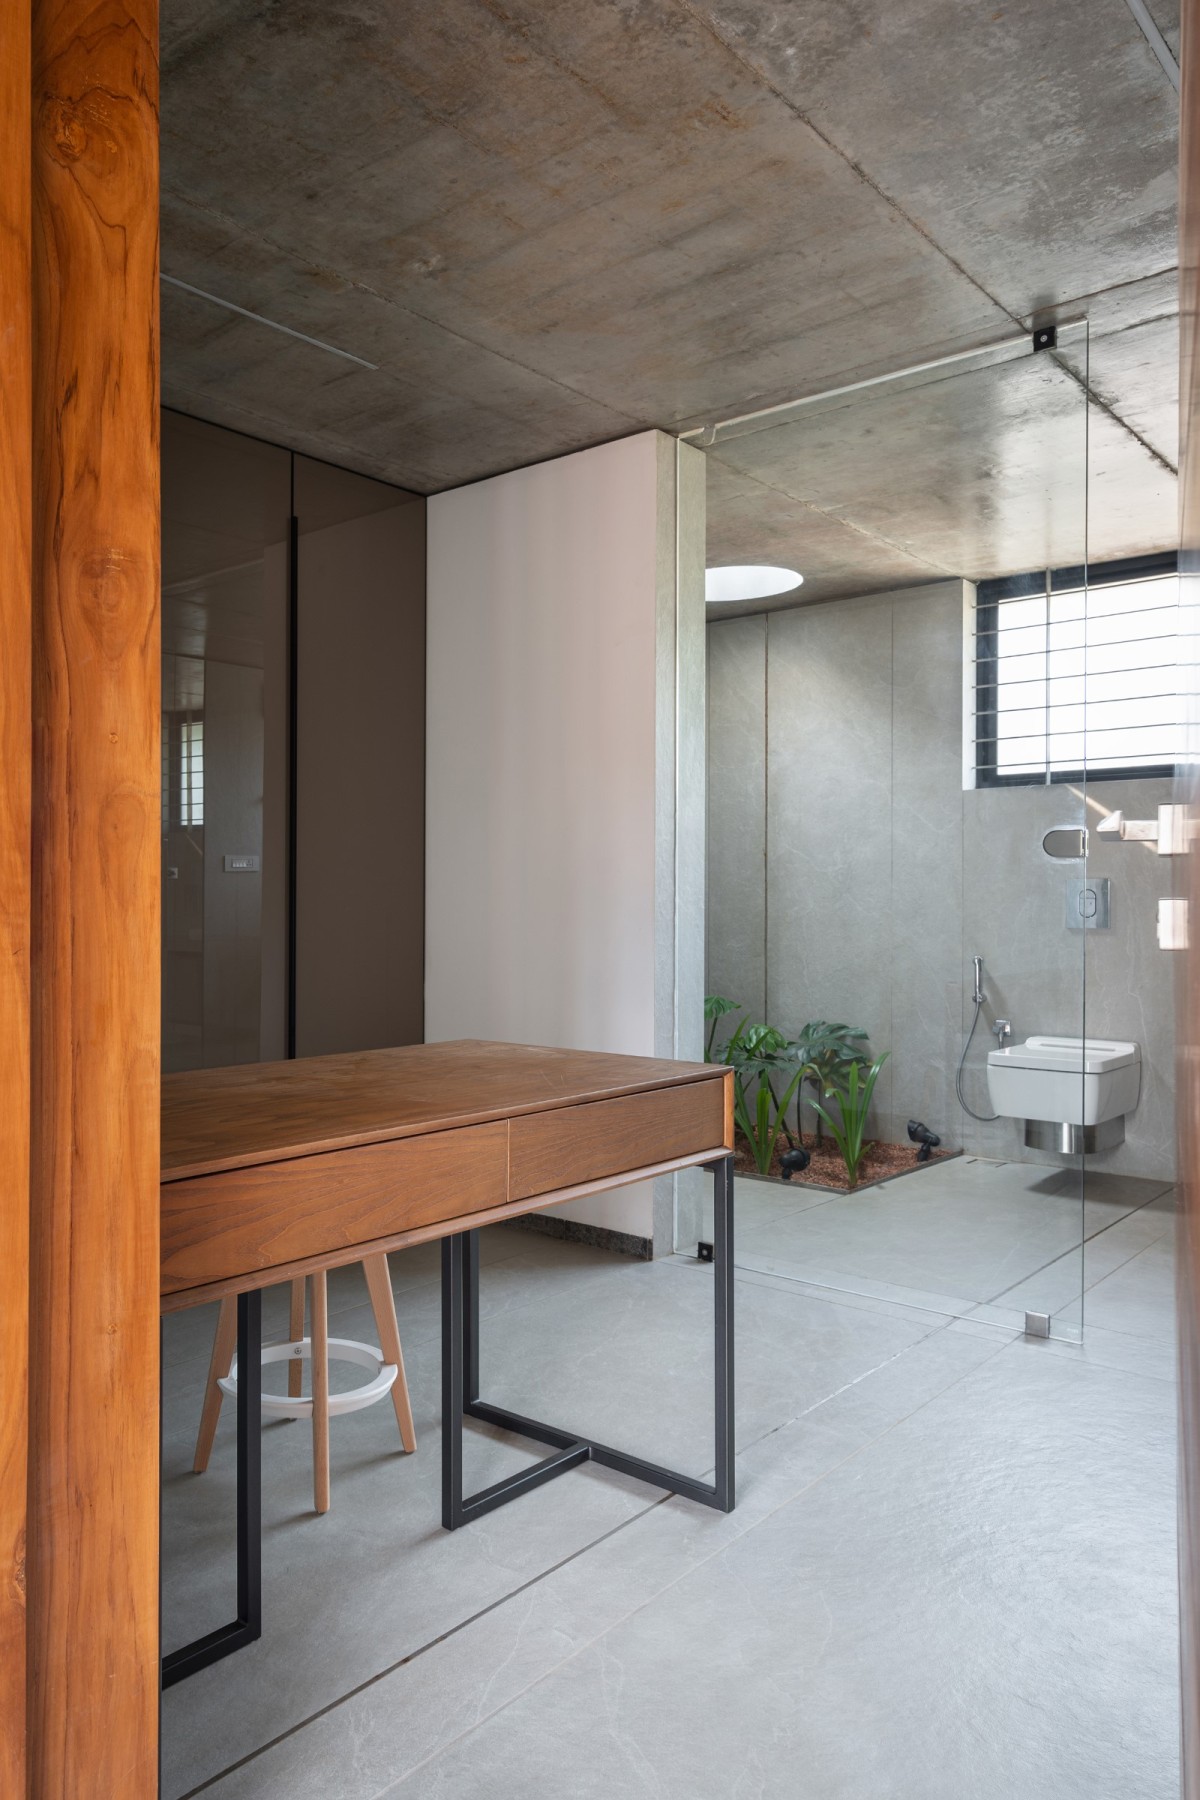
<point x="565" y="765"/>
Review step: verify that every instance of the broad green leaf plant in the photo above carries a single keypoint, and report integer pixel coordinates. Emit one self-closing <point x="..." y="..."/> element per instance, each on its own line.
<point x="767" y="1077"/>
<point x="770" y="1070"/>
<point x="716" y="1007"/>
<point x="853" y="1095"/>
<point x="765" y="1080"/>
<point x="828" y="1050"/>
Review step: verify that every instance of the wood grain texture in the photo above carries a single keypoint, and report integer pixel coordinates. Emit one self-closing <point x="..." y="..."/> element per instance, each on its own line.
<point x="216" y="1119"/>
<point x="219" y="1364"/>
<point x="16" y="493"/>
<point x="93" y="1492"/>
<point x="252" y="1221"/>
<point x="1187" y="1110"/>
<point x="383" y="1305"/>
<point x="177" y="1300"/>
<point x="571" y="1144"/>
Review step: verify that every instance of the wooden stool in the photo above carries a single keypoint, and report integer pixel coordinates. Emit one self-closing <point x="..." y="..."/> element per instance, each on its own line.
<point x="379" y="1286"/>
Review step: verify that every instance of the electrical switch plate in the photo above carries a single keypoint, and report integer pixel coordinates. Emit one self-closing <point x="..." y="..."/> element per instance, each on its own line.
<point x="241" y="864"/>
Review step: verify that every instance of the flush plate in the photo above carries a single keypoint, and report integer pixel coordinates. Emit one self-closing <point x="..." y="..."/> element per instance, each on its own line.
<point x="1088" y="905"/>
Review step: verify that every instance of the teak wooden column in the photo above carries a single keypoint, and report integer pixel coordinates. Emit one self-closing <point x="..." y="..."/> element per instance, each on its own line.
<point x="15" y="751"/>
<point x="1188" y="1008"/>
<point x="93" y="1437"/>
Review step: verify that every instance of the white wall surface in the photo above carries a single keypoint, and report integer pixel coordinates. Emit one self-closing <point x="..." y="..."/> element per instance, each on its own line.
<point x="558" y="628"/>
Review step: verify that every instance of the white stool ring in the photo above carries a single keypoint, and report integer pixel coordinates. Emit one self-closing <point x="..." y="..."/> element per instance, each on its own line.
<point x="283" y="1406"/>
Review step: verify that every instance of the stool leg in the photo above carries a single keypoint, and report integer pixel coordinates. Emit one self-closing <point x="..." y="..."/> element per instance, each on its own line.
<point x="320" y="1391"/>
<point x="219" y="1365"/>
<point x="383" y="1305"/>
<point x="295" y="1333"/>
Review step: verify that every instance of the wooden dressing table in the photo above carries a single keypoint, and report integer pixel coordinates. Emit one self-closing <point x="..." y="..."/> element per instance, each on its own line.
<point x="270" y="1170"/>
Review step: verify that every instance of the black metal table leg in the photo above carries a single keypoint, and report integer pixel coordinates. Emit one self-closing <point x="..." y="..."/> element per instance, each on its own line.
<point x="453" y="1330"/>
<point x="247" y="1627"/>
<point x="723" y="1388"/>
<point x="460" y="1387"/>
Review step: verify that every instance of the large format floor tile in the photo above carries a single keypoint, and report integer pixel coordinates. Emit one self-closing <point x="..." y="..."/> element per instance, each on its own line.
<point x="950" y="1570"/>
<point x="1138" y="1297"/>
<point x="620" y="1350"/>
<point x="957" y="1609"/>
<point x="961" y="1232"/>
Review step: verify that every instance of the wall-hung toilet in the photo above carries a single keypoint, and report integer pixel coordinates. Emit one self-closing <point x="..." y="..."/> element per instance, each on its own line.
<point x="1072" y="1094"/>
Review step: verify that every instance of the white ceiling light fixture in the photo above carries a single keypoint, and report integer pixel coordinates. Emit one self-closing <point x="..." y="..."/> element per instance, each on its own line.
<point x="749" y="581"/>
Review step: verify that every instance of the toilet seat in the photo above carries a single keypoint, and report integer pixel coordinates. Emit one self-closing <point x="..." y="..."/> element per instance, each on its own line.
<point x="1079" y="1056"/>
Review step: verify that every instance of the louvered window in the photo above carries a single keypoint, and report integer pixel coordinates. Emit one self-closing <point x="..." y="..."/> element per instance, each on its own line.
<point x="191" y="772"/>
<point x="1074" y="679"/>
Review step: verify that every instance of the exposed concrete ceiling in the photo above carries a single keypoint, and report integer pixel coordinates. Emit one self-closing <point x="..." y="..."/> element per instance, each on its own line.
<point x="551" y="223"/>
<point x="998" y="470"/>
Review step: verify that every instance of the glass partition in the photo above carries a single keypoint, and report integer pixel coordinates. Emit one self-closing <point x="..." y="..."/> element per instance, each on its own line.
<point x="225" y="505"/>
<point x="898" y="879"/>
<point x="256" y="887"/>
<point x="293" y="645"/>
<point x="225" y="510"/>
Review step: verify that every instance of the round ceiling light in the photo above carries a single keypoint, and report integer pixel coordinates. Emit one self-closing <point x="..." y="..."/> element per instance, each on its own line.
<point x="749" y="581"/>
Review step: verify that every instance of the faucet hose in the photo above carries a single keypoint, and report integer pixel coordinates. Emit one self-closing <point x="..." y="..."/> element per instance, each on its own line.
<point x="983" y="1118"/>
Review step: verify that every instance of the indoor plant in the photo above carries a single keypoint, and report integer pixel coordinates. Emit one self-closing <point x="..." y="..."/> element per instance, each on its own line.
<point x="853" y="1095"/>
<point x="828" y="1051"/>
<point x="765" y="1079"/>
<point x="767" y="1074"/>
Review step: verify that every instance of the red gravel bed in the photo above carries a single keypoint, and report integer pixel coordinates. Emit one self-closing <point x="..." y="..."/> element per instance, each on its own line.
<point x="827" y="1170"/>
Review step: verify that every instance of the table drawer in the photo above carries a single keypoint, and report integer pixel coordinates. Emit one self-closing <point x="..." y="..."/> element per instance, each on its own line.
<point x="574" y="1144"/>
<point x="216" y="1227"/>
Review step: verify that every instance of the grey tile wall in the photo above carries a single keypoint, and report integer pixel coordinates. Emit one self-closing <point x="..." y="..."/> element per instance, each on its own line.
<point x="1130" y="981"/>
<point x="1014" y="899"/>
<point x="1014" y="915"/>
<point x="735" y="911"/>
<point x="925" y="924"/>
<point x="852" y="877"/>
<point x="829" y="820"/>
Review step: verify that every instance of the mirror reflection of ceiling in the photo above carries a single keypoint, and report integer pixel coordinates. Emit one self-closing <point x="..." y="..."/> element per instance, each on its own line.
<point x="220" y="520"/>
<point x="549" y="225"/>
<point x="217" y="617"/>
<point x="970" y="474"/>
<point x="226" y="503"/>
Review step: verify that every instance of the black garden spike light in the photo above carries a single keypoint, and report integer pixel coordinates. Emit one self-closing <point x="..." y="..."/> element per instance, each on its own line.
<point x="921" y="1134"/>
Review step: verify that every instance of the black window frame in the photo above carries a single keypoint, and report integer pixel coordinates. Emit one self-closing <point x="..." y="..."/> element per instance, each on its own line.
<point x="988" y="598"/>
